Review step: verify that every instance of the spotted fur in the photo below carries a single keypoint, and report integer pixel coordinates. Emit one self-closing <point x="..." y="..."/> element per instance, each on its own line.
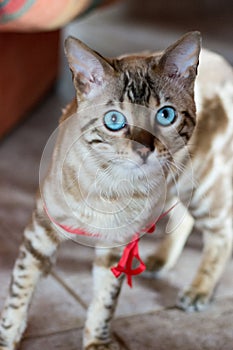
<point x="118" y="182"/>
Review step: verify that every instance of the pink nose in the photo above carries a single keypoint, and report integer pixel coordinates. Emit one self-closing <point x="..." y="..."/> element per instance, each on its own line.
<point x="143" y="151"/>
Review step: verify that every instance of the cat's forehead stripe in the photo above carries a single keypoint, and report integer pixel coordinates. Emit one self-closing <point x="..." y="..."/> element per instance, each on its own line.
<point x="138" y="87"/>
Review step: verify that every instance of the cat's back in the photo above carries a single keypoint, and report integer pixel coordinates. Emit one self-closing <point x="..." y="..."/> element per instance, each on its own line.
<point x="214" y="80"/>
<point x="214" y="102"/>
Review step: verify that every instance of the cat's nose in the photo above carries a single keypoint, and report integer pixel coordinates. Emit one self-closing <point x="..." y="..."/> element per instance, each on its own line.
<point x="142" y="142"/>
<point x="143" y="151"/>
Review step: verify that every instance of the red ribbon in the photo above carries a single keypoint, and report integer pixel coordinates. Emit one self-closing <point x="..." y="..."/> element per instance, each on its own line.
<point x="130" y="253"/>
<point x="69" y="229"/>
<point x="126" y="262"/>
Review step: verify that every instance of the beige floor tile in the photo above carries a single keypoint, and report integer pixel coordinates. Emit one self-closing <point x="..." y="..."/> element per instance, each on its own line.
<point x="176" y="330"/>
<point x="53" y="310"/>
<point x="182" y="274"/>
<point x="147" y="294"/>
<point x="68" y="340"/>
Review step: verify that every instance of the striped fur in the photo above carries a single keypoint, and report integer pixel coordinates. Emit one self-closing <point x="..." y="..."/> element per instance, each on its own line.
<point x="112" y="184"/>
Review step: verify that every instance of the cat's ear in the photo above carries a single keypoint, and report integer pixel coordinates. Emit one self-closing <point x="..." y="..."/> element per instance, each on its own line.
<point x="181" y="59"/>
<point x="89" y="69"/>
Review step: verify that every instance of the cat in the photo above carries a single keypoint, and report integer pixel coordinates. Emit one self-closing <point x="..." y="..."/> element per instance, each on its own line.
<point x="143" y="130"/>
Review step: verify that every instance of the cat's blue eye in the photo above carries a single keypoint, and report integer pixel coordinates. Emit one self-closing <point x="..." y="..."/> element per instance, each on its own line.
<point x="166" y="116"/>
<point x="114" y="120"/>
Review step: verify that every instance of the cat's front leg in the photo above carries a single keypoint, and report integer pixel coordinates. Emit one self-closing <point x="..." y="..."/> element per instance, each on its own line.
<point x="35" y="258"/>
<point x="217" y="251"/>
<point x="218" y="238"/>
<point x="97" y="334"/>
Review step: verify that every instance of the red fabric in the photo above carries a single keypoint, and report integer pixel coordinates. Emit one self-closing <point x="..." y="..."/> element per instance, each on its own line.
<point x="125" y="264"/>
<point x="69" y="229"/>
<point x="130" y="253"/>
<point x="75" y="231"/>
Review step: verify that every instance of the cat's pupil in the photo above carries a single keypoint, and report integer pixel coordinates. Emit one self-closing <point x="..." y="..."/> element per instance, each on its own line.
<point x="165" y="114"/>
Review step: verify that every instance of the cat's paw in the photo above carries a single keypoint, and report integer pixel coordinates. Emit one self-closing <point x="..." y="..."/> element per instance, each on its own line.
<point x="155" y="266"/>
<point x="109" y="346"/>
<point x="193" y="300"/>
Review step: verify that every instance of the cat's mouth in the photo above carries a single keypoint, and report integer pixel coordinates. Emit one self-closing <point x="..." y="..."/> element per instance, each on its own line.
<point x="136" y="168"/>
<point x="128" y="163"/>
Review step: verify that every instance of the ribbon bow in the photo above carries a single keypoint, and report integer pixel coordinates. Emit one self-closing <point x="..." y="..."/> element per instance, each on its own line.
<point x="125" y="265"/>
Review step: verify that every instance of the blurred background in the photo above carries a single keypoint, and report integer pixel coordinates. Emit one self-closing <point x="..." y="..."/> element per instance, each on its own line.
<point x="132" y="25"/>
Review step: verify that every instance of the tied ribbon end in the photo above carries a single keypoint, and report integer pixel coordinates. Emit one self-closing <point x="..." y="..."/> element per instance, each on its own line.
<point x="131" y="252"/>
<point x="115" y="271"/>
<point x="125" y="264"/>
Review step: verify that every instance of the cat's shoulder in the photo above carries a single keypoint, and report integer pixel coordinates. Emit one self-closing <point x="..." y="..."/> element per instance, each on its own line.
<point x="214" y="81"/>
<point x="214" y="101"/>
<point x="214" y="73"/>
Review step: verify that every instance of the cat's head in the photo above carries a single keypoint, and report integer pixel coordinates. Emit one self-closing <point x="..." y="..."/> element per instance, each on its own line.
<point x="135" y="110"/>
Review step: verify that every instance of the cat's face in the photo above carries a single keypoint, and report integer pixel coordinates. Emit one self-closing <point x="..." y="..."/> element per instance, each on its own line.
<point x="135" y="112"/>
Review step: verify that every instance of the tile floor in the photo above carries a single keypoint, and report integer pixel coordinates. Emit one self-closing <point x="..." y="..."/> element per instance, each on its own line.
<point x="146" y="317"/>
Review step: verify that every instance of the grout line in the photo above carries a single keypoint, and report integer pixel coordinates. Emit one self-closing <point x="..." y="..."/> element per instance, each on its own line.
<point x="39" y="336"/>
<point x="69" y="290"/>
<point x="28" y="337"/>
<point x="165" y="308"/>
<point x="120" y="340"/>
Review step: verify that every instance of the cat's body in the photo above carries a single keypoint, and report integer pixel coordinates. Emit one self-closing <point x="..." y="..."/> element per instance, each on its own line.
<point x="111" y="179"/>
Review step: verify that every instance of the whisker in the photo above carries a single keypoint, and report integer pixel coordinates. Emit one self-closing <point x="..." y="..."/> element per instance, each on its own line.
<point x="173" y="175"/>
<point x="180" y="169"/>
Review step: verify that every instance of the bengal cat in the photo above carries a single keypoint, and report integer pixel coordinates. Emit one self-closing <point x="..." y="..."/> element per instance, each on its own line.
<point x="143" y="130"/>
